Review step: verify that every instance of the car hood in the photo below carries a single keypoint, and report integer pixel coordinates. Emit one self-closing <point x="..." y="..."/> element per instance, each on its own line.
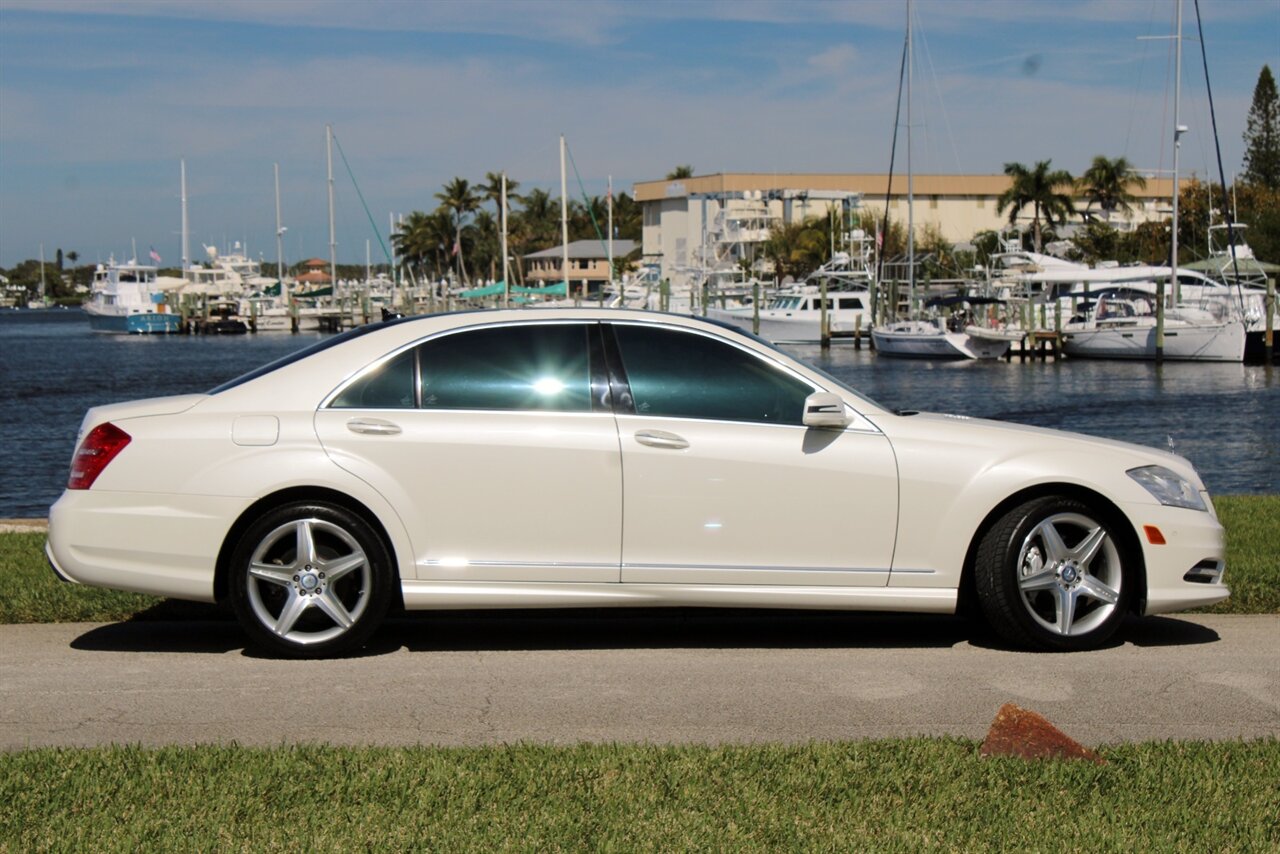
<point x="1015" y="439"/>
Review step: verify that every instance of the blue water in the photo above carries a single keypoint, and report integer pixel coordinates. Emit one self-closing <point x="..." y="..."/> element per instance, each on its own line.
<point x="1224" y="418"/>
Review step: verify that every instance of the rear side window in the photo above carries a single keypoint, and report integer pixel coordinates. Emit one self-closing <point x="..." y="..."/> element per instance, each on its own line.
<point x="388" y="386"/>
<point x="685" y="375"/>
<point x="526" y="367"/>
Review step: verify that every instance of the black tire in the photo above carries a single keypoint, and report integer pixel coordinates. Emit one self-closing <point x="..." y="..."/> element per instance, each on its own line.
<point x="311" y="606"/>
<point x="1051" y="563"/>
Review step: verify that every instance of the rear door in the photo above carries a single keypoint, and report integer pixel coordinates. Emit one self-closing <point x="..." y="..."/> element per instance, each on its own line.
<point x="498" y="448"/>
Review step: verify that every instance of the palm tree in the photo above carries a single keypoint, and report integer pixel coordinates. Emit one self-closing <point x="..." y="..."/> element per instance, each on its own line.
<point x="1106" y="184"/>
<point x="460" y="199"/>
<point x="485" y="242"/>
<point x="680" y="172"/>
<point x="1038" y="189"/>
<point x="627" y="217"/>
<point x="491" y="191"/>
<point x="540" y="220"/>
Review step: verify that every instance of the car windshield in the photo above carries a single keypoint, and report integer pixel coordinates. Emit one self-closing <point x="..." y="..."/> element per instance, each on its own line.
<point x="305" y="352"/>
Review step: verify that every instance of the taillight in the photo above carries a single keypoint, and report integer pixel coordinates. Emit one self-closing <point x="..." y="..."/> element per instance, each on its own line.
<point x="97" y="450"/>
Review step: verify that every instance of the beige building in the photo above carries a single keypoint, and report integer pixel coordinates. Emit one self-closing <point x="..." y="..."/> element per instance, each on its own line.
<point x="588" y="263"/>
<point x="685" y="219"/>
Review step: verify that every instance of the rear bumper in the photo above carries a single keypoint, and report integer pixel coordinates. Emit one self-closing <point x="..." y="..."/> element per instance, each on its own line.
<point x="164" y="545"/>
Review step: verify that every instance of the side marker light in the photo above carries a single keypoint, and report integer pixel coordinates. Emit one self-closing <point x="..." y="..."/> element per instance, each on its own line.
<point x="1153" y="535"/>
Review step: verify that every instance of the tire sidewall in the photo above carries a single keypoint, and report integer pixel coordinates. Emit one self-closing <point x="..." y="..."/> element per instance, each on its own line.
<point x="998" y="571"/>
<point x="381" y="579"/>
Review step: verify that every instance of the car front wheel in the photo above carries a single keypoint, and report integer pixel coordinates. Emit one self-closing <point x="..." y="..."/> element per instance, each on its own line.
<point x="310" y="580"/>
<point x="1051" y="575"/>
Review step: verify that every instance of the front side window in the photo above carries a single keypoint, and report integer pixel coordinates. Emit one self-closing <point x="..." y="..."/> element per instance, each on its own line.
<point x="681" y="374"/>
<point x="530" y="366"/>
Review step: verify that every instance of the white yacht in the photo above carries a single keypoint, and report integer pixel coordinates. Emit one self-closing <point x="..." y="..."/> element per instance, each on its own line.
<point x="127" y="299"/>
<point x="794" y="316"/>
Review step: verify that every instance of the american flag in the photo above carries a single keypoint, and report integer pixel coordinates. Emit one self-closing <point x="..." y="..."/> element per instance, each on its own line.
<point x="155" y="256"/>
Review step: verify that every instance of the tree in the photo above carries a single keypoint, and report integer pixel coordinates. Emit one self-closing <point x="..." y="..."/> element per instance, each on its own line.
<point x="1262" y="134"/>
<point x="798" y="248"/>
<point x="1106" y="184"/>
<point x="1038" y="189"/>
<point x="680" y="172"/>
<point x="627" y="218"/>
<point x="491" y="191"/>
<point x="460" y="199"/>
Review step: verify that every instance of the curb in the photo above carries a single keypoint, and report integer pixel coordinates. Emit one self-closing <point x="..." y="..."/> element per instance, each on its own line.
<point x="24" y="526"/>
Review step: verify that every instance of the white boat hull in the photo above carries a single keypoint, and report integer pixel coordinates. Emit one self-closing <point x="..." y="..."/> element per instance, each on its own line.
<point x="1221" y="342"/>
<point x="799" y="327"/>
<point x="920" y="340"/>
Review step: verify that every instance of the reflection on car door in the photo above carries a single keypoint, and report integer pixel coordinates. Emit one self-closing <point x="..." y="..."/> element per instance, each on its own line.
<point x="724" y="485"/>
<point x="495" y="448"/>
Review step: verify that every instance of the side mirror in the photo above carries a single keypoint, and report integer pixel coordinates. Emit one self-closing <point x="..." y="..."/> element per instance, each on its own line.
<point x="824" y="409"/>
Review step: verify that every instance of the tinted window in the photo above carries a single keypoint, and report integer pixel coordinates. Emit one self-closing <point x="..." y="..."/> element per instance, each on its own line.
<point x="530" y="366"/>
<point x="685" y="375"/>
<point x="388" y="386"/>
<point x="298" y="356"/>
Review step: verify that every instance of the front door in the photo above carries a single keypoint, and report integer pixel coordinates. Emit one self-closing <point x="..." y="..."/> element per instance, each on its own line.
<point x="722" y="483"/>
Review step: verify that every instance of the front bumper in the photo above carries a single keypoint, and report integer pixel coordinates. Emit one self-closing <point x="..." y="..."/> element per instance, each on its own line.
<point x="1194" y="540"/>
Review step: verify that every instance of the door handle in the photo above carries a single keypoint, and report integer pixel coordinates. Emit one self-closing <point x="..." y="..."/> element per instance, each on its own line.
<point x="661" y="439"/>
<point x="373" y="426"/>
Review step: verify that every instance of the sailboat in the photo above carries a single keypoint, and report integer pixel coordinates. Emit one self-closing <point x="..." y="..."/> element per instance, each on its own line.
<point x="929" y="338"/>
<point x="1113" y="327"/>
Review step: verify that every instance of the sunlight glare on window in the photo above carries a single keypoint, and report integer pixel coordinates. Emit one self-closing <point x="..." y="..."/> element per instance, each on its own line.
<point x="548" y="386"/>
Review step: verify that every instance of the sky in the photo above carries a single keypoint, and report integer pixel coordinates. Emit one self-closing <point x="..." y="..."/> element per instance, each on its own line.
<point x="100" y="101"/>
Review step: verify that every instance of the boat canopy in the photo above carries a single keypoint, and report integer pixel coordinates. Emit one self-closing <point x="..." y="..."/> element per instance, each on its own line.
<point x="961" y="300"/>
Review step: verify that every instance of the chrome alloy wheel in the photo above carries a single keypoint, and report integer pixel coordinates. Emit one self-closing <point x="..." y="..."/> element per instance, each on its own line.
<point x="1069" y="574"/>
<point x="309" y="581"/>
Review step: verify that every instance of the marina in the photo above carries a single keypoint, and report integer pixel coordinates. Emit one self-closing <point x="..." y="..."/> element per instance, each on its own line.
<point x="1224" y="417"/>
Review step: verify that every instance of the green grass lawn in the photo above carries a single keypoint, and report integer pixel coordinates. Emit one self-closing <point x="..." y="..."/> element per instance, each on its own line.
<point x="30" y="593"/>
<point x="897" y="795"/>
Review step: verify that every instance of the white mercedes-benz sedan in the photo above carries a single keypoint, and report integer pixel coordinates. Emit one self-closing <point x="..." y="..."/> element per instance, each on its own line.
<point x="580" y="457"/>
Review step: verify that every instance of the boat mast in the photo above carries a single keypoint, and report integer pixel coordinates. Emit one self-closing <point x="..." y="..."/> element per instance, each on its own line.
<point x="333" y="241"/>
<point x="564" y="221"/>
<point x="284" y="289"/>
<point x="609" y="196"/>
<point x="1178" y="131"/>
<point x="911" y="197"/>
<point x="186" y="249"/>
<point x="506" y="260"/>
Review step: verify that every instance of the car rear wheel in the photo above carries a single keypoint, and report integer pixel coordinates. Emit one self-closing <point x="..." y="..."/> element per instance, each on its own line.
<point x="1051" y="574"/>
<point x="310" y="580"/>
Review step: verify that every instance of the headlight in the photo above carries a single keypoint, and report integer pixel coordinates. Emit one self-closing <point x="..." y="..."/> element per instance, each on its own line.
<point x="1168" y="487"/>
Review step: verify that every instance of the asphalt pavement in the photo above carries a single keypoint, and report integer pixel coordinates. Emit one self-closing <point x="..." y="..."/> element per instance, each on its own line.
<point x="631" y="676"/>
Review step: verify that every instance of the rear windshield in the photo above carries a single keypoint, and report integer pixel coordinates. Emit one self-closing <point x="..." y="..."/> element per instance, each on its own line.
<point x="306" y="352"/>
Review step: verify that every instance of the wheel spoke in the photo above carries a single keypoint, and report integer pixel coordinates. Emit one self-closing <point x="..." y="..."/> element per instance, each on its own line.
<point x="1056" y="550"/>
<point x="332" y="606"/>
<point x="1087" y="549"/>
<point x="335" y="569"/>
<point x="272" y="574"/>
<point x="306" y="542"/>
<point x="1092" y="587"/>
<point x="1066" y="610"/>
<point x="289" y="615"/>
<point x="1045" y="579"/>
